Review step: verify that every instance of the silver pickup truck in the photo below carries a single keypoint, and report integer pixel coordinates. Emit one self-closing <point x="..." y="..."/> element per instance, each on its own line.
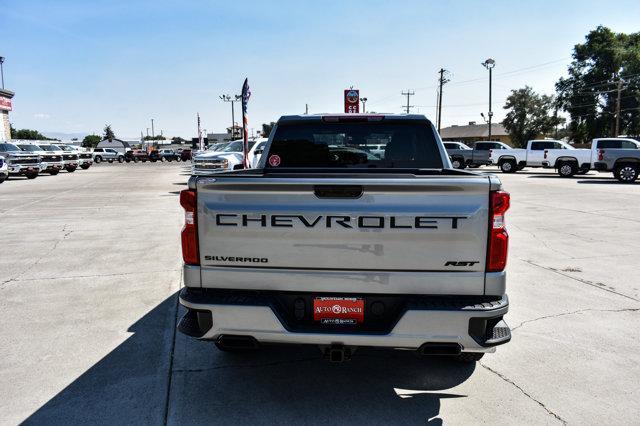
<point x="624" y="163"/>
<point x="325" y="244"/>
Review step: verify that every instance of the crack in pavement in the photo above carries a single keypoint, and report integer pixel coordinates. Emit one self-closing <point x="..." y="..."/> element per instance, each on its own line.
<point x="525" y="393"/>
<point x="17" y="279"/>
<point x="544" y="243"/>
<point x="582" y="280"/>
<point x="579" y="311"/>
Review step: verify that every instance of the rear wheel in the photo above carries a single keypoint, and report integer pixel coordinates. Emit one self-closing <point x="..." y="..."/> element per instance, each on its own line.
<point x="85" y="166"/>
<point x="71" y="169"/>
<point x="508" y="166"/>
<point x="98" y="159"/>
<point x="457" y="163"/>
<point x="120" y="159"/>
<point x="469" y="356"/>
<point x="128" y="160"/>
<point x="54" y="172"/>
<point x="626" y="173"/>
<point x="3" y="178"/>
<point x="135" y="159"/>
<point x="163" y="159"/>
<point x="567" y="169"/>
<point x="31" y="175"/>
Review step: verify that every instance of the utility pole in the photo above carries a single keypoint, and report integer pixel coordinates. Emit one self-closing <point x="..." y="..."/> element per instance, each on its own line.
<point x="232" y="99"/>
<point x="442" y="81"/>
<point x="489" y="64"/>
<point x="618" y="109"/>
<point x="153" y="135"/>
<point x="408" y="94"/>
<point x="2" y="70"/>
<point x="364" y="104"/>
<point x="306" y="108"/>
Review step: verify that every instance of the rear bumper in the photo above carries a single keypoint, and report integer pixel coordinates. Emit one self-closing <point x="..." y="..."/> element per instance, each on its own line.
<point x="474" y="323"/>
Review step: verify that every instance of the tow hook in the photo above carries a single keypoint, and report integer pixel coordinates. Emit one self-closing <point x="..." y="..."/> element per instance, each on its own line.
<point x="337" y="353"/>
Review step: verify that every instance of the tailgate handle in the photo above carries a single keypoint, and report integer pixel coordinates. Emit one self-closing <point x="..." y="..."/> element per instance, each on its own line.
<point x="338" y="191"/>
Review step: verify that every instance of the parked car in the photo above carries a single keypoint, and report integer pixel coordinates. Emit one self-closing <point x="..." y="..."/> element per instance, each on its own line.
<point x="571" y="161"/>
<point x="69" y="158"/>
<point x="107" y="154"/>
<point x="463" y="156"/>
<point x="163" y="155"/>
<point x="20" y="162"/>
<point x="136" y="155"/>
<point x="4" y="170"/>
<point x="185" y="154"/>
<point x="292" y="247"/>
<point x="50" y="161"/>
<point x="514" y="159"/>
<point x="85" y="159"/>
<point x="229" y="158"/>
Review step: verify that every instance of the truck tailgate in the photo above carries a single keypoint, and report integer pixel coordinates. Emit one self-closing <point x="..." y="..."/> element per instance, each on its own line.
<point x="391" y="235"/>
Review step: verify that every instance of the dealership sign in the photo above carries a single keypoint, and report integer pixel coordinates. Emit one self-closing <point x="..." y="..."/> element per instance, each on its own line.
<point x="352" y="101"/>
<point x="5" y="103"/>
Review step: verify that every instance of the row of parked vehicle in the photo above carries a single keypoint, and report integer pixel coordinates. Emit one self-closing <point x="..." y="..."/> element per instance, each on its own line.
<point x="621" y="156"/>
<point x="139" y="155"/>
<point x="28" y="158"/>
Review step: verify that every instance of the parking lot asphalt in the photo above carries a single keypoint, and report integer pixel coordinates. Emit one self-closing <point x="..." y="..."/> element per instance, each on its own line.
<point x="90" y="270"/>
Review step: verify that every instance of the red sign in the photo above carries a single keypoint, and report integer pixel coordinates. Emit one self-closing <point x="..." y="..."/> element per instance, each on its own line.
<point x="338" y="310"/>
<point x="5" y="103"/>
<point x="352" y="101"/>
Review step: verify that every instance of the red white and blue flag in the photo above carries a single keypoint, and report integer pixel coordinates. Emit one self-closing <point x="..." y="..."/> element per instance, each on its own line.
<point x="246" y="94"/>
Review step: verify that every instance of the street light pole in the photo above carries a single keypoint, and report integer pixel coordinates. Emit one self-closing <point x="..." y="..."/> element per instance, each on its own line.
<point x="232" y="99"/>
<point x="489" y="64"/>
<point x="364" y="104"/>
<point x="2" y="70"/>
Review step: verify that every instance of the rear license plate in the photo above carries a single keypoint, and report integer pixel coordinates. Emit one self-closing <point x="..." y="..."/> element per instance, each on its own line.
<point x="338" y="310"/>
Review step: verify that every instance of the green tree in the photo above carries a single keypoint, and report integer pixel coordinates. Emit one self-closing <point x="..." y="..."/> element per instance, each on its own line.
<point x="27" y="134"/>
<point x="108" y="132"/>
<point x="154" y="138"/>
<point x="605" y="62"/>
<point x="91" y="141"/>
<point x="178" y="139"/>
<point x="530" y="115"/>
<point x="266" y="129"/>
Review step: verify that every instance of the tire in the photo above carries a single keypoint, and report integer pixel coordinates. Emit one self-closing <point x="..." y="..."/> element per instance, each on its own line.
<point x="626" y="173"/>
<point x="136" y="159"/>
<point x="3" y="178"/>
<point x="508" y="166"/>
<point x="110" y="161"/>
<point x="31" y="175"/>
<point x="85" y="166"/>
<point x="163" y="159"/>
<point x="144" y="161"/>
<point x="567" y="169"/>
<point x="120" y="159"/>
<point x="54" y="172"/>
<point x="457" y="164"/>
<point x="128" y="160"/>
<point x="98" y="159"/>
<point x="469" y="356"/>
<point x="70" y="169"/>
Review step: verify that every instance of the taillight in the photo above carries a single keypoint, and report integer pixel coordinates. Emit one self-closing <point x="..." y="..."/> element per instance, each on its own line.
<point x="190" y="231"/>
<point x="545" y="154"/>
<point x="498" y="238"/>
<point x="600" y="154"/>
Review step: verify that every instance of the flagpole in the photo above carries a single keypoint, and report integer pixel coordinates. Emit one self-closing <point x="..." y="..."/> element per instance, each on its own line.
<point x="199" y="134"/>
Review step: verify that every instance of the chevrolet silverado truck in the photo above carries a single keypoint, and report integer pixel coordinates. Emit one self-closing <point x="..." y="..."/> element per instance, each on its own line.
<point x="572" y="161"/>
<point x="514" y="159"/>
<point x="4" y="170"/>
<point x="462" y="156"/>
<point x="85" y="158"/>
<point x="70" y="159"/>
<point x="624" y="163"/>
<point x="20" y="162"/>
<point x="51" y="161"/>
<point x="325" y="244"/>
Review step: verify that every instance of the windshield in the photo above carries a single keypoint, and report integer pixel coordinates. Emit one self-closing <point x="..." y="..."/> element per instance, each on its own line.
<point x="4" y="147"/>
<point x="66" y="148"/>
<point x="50" y="147"/>
<point x="407" y="144"/>
<point x="30" y="148"/>
<point x="233" y="147"/>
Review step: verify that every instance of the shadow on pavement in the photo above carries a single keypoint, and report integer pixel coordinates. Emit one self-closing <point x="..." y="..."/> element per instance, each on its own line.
<point x="605" y="181"/>
<point x="276" y="384"/>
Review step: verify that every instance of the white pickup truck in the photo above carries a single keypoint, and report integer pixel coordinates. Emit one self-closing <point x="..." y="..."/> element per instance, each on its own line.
<point x="512" y="160"/>
<point x="575" y="161"/>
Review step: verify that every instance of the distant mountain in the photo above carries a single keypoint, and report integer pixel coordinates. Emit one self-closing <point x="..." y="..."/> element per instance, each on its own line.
<point x="65" y="136"/>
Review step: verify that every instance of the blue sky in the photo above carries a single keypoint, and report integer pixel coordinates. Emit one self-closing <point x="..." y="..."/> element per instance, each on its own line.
<point x="76" y="65"/>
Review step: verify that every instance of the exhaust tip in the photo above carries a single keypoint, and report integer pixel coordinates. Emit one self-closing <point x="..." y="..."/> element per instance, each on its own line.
<point x="437" y="348"/>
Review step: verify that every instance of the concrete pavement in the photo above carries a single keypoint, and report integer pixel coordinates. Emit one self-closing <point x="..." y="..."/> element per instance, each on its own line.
<point x="90" y="269"/>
